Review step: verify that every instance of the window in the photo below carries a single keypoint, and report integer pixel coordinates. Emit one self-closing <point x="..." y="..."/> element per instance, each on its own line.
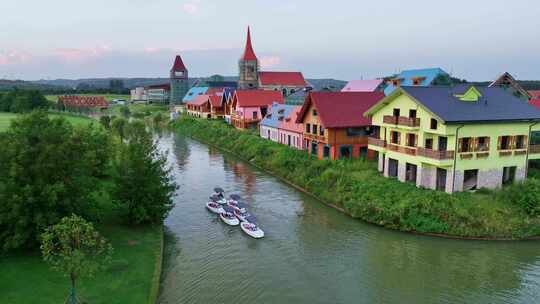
<point x="308" y="128"/>
<point x="504" y="142"/>
<point x="394" y="137"/>
<point x="433" y="124"/>
<point x="416" y="81"/>
<point x="314" y="129"/>
<point x="254" y="114"/>
<point x="429" y="143"/>
<point x="326" y="151"/>
<point x="396" y="112"/>
<point x="465" y="144"/>
<point x="321" y="131"/>
<point x="521" y="141"/>
<point x="314" y="112"/>
<point x="412" y="113"/>
<point x="482" y="143"/>
<point x="411" y="140"/>
<point x="356" y="132"/>
<point x="443" y="143"/>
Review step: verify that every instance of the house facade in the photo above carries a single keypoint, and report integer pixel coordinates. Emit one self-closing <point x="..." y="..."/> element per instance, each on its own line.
<point x="249" y="107"/>
<point x="199" y="107"/>
<point x="454" y="138"/>
<point x="280" y="126"/>
<point x="334" y="127"/>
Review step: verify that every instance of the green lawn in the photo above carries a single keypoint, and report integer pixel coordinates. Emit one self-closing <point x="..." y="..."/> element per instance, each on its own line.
<point x="5" y="119"/>
<point x="139" y="108"/>
<point x="25" y="278"/>
<point x="108" y="97"/>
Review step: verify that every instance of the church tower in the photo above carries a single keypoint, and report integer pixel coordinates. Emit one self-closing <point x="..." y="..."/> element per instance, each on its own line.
<point x="179" y="81"/>
<point x="248" y="67"/>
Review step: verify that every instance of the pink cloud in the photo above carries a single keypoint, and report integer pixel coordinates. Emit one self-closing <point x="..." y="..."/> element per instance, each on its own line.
<point x="192" y="7"/>
<point x="268" y="62"/>
<point x="13" y="57"/>
<point x="80" y="55"/>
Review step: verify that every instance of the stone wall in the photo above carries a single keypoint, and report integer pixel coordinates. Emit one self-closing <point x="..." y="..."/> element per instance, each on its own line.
<point x="521" y="174"/>
<point x="490" y="179"/>
<point x="426" y="177"/>
<point x="454" y="183"/>
<point x="402" y="172"/>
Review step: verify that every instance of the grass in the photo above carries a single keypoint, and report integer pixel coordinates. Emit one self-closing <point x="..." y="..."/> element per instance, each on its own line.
<point x="356" y="187"/>
<point x="130" y="278"/>
<point x="108" y="97"/>
<point x="139" y="109"/>
<point x="77" y="120"/>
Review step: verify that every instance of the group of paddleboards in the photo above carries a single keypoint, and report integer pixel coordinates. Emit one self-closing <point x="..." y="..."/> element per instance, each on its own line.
<point x="233" y="211"/>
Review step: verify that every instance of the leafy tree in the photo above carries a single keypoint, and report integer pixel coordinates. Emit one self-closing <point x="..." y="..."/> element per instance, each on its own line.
<point x="49" y="169"/>
<point x="119" y="127"/>
<point x="20" y="101"/>
<point x="125" y="111"/>
<point x="105" y="121"/>
<point x="143" y="184"/>
<point x="74" y="248"/>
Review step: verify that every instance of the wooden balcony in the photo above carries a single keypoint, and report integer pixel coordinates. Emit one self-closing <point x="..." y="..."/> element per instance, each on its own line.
<point x="534" y="148"/>
<point x="429" y="153"/>
<point x="401" y="149"/>
<point x="402" y="121"/>
<point x="315" y="137"/>
<point x="376" y="142"/>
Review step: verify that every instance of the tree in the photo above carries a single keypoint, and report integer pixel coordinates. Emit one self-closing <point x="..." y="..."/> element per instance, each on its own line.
<point x="119" y="127"/>
<point x="49" y="170"/>
<point x="76" y="249"/>
<point x="105" y="121"/>
<point x="125" y="111"/>
<point x="143" y="184"/>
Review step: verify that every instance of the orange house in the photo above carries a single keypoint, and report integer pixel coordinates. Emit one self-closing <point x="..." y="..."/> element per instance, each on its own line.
<point x="334" y="125"/>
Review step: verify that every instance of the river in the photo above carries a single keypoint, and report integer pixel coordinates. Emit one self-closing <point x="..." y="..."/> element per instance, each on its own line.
<point x="315" y="254"/>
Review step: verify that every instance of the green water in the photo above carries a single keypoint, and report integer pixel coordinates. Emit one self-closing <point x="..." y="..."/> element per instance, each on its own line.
<point x="314" y="254"/>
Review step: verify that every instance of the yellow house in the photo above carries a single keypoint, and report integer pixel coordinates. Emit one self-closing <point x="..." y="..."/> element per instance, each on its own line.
<point x="455" y="138"/>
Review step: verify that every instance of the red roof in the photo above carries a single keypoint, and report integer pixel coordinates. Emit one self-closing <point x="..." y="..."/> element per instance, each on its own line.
<point x="178" y="64"/>
<point x="215" y="100"/>
<point x="83" y="101"/>
<point x="535" y="94"/>
<point x="535" y="102"/>
<point x="199" y="100"/>
<point x="165" y="86"/>
<point x="341" y="109"/>
<point x="249" y="54"/>
<point x="282" y="78"/>
<point x="257" y="98"/>
<point x="215" y="91"/>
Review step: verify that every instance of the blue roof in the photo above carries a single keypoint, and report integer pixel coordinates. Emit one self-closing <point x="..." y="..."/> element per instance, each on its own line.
<point x="495" y="104"/>
<point x="272" y="119"/>
<point x="408" y="75"/>
<point x="194" y="92"/>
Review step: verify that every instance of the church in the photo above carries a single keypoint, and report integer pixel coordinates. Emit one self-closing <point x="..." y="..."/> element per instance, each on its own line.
<point x="250" y="76"/>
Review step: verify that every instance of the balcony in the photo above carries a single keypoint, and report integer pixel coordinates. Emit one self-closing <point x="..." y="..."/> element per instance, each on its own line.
<point x="402" y="121"/>
<point x="534" y="149"/>
<point x="401" y="149"/>
<point x="316" y="137"/>
<point x="376" y="142"/>
<point x="440" y="155"/>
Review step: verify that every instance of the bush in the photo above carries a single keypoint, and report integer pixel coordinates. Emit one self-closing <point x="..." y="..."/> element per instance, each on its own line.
<point x="525" y="195"/>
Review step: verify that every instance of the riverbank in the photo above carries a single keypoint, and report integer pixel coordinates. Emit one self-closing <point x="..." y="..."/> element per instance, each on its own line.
<point x="356" y="188"/>
<point x="132" y="277"/>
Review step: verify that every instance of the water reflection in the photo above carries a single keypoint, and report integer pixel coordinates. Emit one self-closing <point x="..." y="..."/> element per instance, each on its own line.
<point x="314" y="254"/>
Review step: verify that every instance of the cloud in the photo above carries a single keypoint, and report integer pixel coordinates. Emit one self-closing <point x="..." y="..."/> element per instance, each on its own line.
<point x="268" y="62"/>
<point x="73" y="55"/>
<point x="9" y="57"/>
<point x="192" y="7"/>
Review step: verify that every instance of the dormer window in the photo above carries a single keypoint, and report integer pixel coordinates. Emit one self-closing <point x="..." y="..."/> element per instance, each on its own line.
<point x="314" y="112"/>
<point x="418" y="80"/>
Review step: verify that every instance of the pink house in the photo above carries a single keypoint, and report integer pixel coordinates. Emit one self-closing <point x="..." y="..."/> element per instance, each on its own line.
<point x="371" y="85"/>
<point x="290" y="132"/>
<point x="249" y="107"/>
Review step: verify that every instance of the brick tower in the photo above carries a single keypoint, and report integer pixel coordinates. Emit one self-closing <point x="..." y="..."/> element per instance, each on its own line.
<point x="248" y="67"/>
<point x="179" y="81"/>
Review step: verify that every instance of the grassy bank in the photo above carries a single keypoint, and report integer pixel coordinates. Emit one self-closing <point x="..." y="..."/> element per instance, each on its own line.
<point x="26" y="278"/>
<point x="357" y="188"/>
<point x="77" y="120"/>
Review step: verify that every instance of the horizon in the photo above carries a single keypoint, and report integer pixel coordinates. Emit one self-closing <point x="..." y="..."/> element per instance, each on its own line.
<point x="332" y="42"/>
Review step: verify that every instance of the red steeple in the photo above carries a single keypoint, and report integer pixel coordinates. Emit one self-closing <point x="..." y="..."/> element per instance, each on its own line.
<point x="249" y="54"/>
<point x="178" y="64"/>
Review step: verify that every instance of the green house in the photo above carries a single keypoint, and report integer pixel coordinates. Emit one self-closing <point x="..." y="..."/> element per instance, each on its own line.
<point x="455" y="138"/>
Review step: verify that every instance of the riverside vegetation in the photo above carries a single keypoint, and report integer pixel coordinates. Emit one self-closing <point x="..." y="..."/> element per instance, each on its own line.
<point x="53" y="169"/>
<point x="356" y="187"/>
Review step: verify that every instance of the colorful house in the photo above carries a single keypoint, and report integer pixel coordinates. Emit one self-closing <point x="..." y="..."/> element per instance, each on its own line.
<point x="370" y="85"/>
<point x="509" y="83"/>
<point x="199" y="107"/>
<point x="280" y="126"/>
<point x="249" y="107"/>
<point x="194" y="92"/>
<point x="418" y="78"/>
<point x="217" y="108"/>
<point x="334" y="127"/>
<point x="455" y="138"/>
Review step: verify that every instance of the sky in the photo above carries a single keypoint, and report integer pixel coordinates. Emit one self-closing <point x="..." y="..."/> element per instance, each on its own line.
<point x="341" y="39"/>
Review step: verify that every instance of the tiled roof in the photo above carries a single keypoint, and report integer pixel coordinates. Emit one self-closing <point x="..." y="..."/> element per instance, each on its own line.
<point x="257" y="98"/>
<point x="278" y="113"/>
<point x="249" y="54"/>
<point x="495" y="104"/>
<point x="194" y="92"/>
<point x="215" y="100"/>
<point x="535" y="94"/>
<point x="362" y="85"/>
<point x="83" y="101"/>
<point x="199" y="100"/>
<point x="535" y="102"/>
<point x="178" y="64"/>
<point x="282" y="78"/>
<point x="407" y="77"/>
<point x="341" y="109"/>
